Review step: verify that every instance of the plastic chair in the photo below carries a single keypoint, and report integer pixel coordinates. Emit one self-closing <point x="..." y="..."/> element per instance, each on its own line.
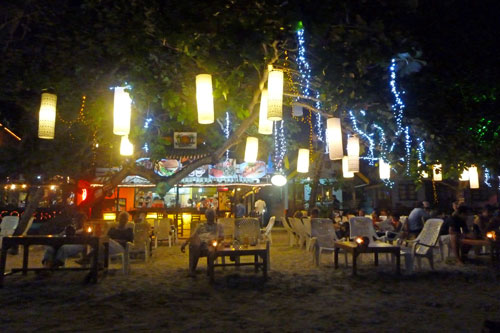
<point x="8" y="226"/>
<point x="427" y="240"/>
<point x="246" y="228"/>
<point x="362" y="227"/>
<point x="323" y="238"/>
<point x="292" y="237"/>
<point x="141" y="242"/>
<point x="164" y="231"/>
<point x="300" y="230"/>
<point x="266" y="232"/>
<point x="228" y="226"/>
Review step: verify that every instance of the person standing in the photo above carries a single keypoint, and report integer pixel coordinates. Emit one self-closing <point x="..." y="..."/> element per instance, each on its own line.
<point x="260" y="209"/>
<point x="240" y="209"/>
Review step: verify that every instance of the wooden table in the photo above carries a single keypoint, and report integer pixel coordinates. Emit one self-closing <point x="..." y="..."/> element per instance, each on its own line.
<point x="55" y="241"/>
<point x="374" y="247"/>
<point x="258" y="251"/>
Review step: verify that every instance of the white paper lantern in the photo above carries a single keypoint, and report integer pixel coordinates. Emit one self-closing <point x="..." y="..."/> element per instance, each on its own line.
<point x="345" y="168"/>
<point x="437" y="172"/>
<point x="126" y="147"/>
<point x="297" y="110"/>
<point x="334" y="136"/>
<point x="47" y="116"/>
<point x="384" y="169"/>
<point x="251" y="149"/>
<point x="353" y="153"/>
<point x="303" y="161"/>
<point x="423" y="173"/>
<point x="275" y="95"/>
<point x="278" y="179"/>
<point x="473" y="177"/>
<point x="265" y="125"/>
<point x="464" y="176"/>
<point x="122" y="110"/>
<point x="204" y="99"/>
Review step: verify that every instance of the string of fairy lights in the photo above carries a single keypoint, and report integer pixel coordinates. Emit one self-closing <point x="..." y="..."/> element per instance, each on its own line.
<point x="227" y="131"/>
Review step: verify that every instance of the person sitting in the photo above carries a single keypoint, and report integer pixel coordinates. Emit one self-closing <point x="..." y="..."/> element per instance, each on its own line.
<point x="361" y="212"/>
<point x="315" y="213"/>
<point x="482" y="221"/>
<point x="458" y="231"/>
<point x="118" y="238"/>
<point x="417" y="218"/>
<point x="201" y="238"/>
<point x="53" y="258"/>
<point x="375" y="215"/>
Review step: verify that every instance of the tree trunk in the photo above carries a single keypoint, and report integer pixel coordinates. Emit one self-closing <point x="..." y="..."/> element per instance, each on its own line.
<point x="31" y="205"/>
<point x="315" y="182"/>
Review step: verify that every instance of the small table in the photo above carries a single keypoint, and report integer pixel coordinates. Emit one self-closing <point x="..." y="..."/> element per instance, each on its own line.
<point x="374" y="247"/>
<point x="55" y="241"/>
<point x="259" y="250"/>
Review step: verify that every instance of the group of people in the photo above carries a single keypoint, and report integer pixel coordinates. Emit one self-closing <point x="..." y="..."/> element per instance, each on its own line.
<point x="118" y="238"/>
<point x="241" y="209"/>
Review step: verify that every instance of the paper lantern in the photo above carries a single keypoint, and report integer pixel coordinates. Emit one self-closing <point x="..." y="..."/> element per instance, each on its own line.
<point x="204" y="99"/>
<point x="126" y="147"/>
<point x="47" y="116"/>
<point x="251" y="149"/>
<point x="278" y="179"/>
<point x="345" y="168"/>
<point x="473" y="177"/>
<point x="265" y="125"/>
<point x="353" y="153"/>
<point x="464" y="176"/>
<point x="423" y="173"/>
<point x="303" y="161"/>
<point x="297" y="110"/>
<point x="384" y="169"/>
<point x="437" y="172"/>
<point x="121" y="112"/>
<point x="334" y="136"/>
<point x="275" y="95"/>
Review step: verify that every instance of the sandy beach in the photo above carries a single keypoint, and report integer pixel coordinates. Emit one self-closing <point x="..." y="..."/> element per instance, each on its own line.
<point x="298" y="297"/>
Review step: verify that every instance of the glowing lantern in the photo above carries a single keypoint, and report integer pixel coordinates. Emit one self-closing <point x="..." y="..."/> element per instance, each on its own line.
<point x="303" y="161"/>
<point x="126" y="147"/>
<point x="423" y="173"/>
<point x="464" y="176"/>
<point x="265" y="125"/>
<point x="353" y="153"/>
<point x="297" y="110"/>
<point x="122" y="110"/>
<point x="437" y="172"/>
<point x="47" y="116"/>
<point x="251" y="149"/>
<point x="334" y="136"/>
<point x="384" y="169"/>
<point x="275" y="95"/>
<point x="345" y="168"/>
<point x="278" y="179"/>
<point x="204" y="98"/>
<point x="473" y="177"/>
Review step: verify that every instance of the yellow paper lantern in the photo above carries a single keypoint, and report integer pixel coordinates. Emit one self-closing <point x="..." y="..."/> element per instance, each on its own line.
<point x="251" y="149"/>
<point x="345" y="168"/>
<point x="353" y="153"/>
<point x="47" y="116"/>
<point x="334" y="136"/>
<point x="437" y="172"/>
<point x="122" y="110"/>
<point x="265" y="125"/>
<point x="303" y="161"/>
<point x="465" y="176"/>
<point x="473" y="177"/>
<point x="204" y="99"/>
<point x="275" y="95"/>
<point x="126" y="147"/>
<point x="384" y="169"/>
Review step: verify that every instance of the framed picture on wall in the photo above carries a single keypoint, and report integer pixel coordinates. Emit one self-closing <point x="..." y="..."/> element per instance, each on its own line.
<point x="185" y="140"/>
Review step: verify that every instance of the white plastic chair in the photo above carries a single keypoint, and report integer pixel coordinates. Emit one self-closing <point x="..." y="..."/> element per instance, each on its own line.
<point x="227" y="224"/>
<point x="141" y="243"/>
<point x="164" y="231"/>
<point x="246" y="228"/>
<point x="300" y="230"/>
<point x="363" y="227"/>
<point x="323" y="238"/>
<point x="427" y="240"/>
<point x="8" y="226"/>
<point x="266" y="232"/>
<point x="292" y="237"/>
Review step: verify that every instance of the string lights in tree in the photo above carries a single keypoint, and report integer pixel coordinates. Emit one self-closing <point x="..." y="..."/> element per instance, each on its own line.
<point x="487" y="177"/>
<point x="227" y="132"/>
<point x="398" y="107"/>
<point x="407" y="148"/>
<point x="366" y="136"/>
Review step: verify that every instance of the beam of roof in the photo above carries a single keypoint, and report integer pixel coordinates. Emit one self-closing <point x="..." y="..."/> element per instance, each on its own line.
<point x="10" y="132"/>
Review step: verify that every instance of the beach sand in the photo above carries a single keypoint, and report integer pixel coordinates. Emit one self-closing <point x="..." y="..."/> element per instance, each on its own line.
<point x="298" y="297"/>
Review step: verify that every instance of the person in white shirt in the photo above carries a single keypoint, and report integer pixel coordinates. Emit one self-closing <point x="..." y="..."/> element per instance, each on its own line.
<point x="260" y="208"/>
